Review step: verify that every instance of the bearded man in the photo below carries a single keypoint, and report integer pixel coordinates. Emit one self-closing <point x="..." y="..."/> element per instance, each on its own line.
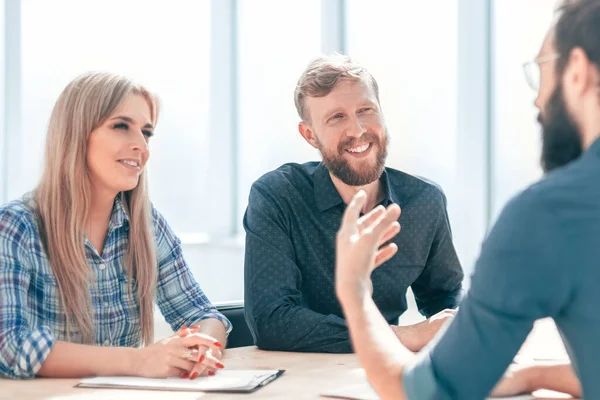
<point x="540" y="259"/>
<point x="294" y="214"/>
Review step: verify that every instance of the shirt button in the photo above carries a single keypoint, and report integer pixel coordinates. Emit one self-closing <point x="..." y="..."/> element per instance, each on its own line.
<point x="106" y="305"/>
<point x="102" y="266"/>
<point x="107" y="342"/>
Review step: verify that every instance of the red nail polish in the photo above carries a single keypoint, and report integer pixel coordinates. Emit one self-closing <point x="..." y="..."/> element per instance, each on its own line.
<point x="219" y="345"/>
<point x="211" y="373"/>
<point x="219" y="365"/>
<point x="184" y="375"/>
<point x="201" y="358"/>
<point x="193" y="376"/>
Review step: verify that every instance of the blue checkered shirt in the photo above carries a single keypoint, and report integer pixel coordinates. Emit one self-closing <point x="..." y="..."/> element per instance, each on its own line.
<point x="31" y="316"/>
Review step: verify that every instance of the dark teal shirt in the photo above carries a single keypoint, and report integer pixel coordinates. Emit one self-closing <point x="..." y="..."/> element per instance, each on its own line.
<point x="291" y="223"/>
<point x="541" y="259"/>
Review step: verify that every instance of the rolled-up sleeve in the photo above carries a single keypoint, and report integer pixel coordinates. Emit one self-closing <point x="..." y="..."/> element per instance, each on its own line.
<point x="420" y="382"/>
<point x="23" y="350"/>
<point x="179" y="296"/>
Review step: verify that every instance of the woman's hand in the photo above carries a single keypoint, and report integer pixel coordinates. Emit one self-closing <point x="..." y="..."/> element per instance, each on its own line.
<point x="176" y="355"/>
<point x="209" y="359"/>
<point x="207" y="365"/>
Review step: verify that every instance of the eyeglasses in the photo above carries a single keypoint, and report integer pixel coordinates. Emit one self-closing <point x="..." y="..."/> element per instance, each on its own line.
<point x="532" y="70"/>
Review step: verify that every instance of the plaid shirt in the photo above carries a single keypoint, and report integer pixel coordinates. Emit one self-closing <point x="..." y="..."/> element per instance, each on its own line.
<point x="31" y="316"/>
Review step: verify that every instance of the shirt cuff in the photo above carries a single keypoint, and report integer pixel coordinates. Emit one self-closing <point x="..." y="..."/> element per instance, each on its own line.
<point x="33" y="351"/>
<point x="420" y="382"/>
<point x="220" y="317"/>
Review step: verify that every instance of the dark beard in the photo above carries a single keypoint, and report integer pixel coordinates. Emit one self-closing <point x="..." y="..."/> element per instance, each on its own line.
<point x="561" y="142"/>
<point x="340" y="167"/>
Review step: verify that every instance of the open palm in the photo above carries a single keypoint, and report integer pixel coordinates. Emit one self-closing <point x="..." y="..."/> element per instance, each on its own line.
<point x="360" y="239"/>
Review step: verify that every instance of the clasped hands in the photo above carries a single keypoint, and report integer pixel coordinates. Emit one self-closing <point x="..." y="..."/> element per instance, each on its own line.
<point x="187" y="354"/>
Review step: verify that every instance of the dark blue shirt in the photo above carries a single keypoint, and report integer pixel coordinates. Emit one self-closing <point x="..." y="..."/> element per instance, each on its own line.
<point x="541" y="259"/>
<point x="291" y="223"/>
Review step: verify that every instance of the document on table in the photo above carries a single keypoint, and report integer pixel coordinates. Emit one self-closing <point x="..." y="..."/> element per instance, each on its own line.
<point x="226" y="380"/>
<point x="364" y="391"/>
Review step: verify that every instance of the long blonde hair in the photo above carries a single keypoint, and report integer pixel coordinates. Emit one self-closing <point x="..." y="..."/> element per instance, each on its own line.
<point x="63" y="199"/>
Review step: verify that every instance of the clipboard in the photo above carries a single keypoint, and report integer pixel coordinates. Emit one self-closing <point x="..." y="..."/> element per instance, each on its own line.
<point x="225" y="381"/>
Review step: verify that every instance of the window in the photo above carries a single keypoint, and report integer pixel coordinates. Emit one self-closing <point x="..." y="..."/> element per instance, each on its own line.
<point x="2" y="105"/>
<point x="519" y="30"/>
<point x="413" y="54"/>
<point x="226" y="70"/>
<point x="416" y="68"/>
<point x="273" y="53"/>
<point x="164" y="45"/>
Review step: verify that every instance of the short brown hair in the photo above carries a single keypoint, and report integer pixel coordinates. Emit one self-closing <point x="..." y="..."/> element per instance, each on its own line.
<point x="578" y="27"/>
<point x="322" y="74"/>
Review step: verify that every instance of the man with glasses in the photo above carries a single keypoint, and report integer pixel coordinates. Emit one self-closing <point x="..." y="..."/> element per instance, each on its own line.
<point x="541" y="259"/>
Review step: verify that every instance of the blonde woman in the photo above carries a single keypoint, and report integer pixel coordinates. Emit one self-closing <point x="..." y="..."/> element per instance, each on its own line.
<point x="84" y="256"/>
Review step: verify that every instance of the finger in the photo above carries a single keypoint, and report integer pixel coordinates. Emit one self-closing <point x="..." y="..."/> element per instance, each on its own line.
<point x="174" y="371"/>
<point x="390" y="233"/>
<point x="383" y="223"/>
<point x="200" y="339"/>
<point x="194" y="354"/>
<point x="371" y="216"/>
<point x="202" y="351"/>
<point x="385" y="254"/>
<point x="181" y="363"/>
<point x="198" y="370"/>
<point x="353" y="211"/>
<point x="208" y="371"/>
<point x="218" y="354"/>
<point x="183" y="332"/>
<point x="213" y="362"/>
<point x="191" y="354"/>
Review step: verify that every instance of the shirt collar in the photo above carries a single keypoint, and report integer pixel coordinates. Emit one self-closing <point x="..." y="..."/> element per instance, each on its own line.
<point x="327" y="195"/>
<point x="119" y="215"/>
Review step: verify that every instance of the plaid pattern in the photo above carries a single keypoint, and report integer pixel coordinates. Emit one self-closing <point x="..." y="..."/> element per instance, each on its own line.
<point x="31" y="317"/>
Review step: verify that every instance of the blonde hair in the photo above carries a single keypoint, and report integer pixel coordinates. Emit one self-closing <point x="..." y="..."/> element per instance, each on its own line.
<point x="323" y="73"/>
<point x="63" y="199"/>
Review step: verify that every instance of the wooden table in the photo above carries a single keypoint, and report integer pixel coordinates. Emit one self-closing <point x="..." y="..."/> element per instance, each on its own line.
<point x="307" y="375"/>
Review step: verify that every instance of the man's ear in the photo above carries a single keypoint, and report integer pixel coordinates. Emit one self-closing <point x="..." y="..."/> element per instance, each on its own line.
<point x="579" y="73"/>
<point x="307" y="133"/>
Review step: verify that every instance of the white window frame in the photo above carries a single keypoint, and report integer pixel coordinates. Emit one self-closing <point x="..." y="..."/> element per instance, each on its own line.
<point x="10" y="137"/>
<point x="474" y="109"/>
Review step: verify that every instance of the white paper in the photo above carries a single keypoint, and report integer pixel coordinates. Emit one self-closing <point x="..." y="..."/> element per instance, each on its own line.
<point x="223" y="380"/>
<point x="365" y="392"/>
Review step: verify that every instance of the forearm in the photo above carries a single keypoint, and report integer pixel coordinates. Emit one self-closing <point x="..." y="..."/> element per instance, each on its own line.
<point x="288" y="327"/>
<point x="560" y="378"/>
<point x="379" y="351"/>
<point x="409" y="336"/>
<point x="215" y="328"/>
<point x="71" y="360"/>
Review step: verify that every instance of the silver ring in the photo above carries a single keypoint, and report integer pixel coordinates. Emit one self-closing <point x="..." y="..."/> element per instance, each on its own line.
<point x="189" y="355"/>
